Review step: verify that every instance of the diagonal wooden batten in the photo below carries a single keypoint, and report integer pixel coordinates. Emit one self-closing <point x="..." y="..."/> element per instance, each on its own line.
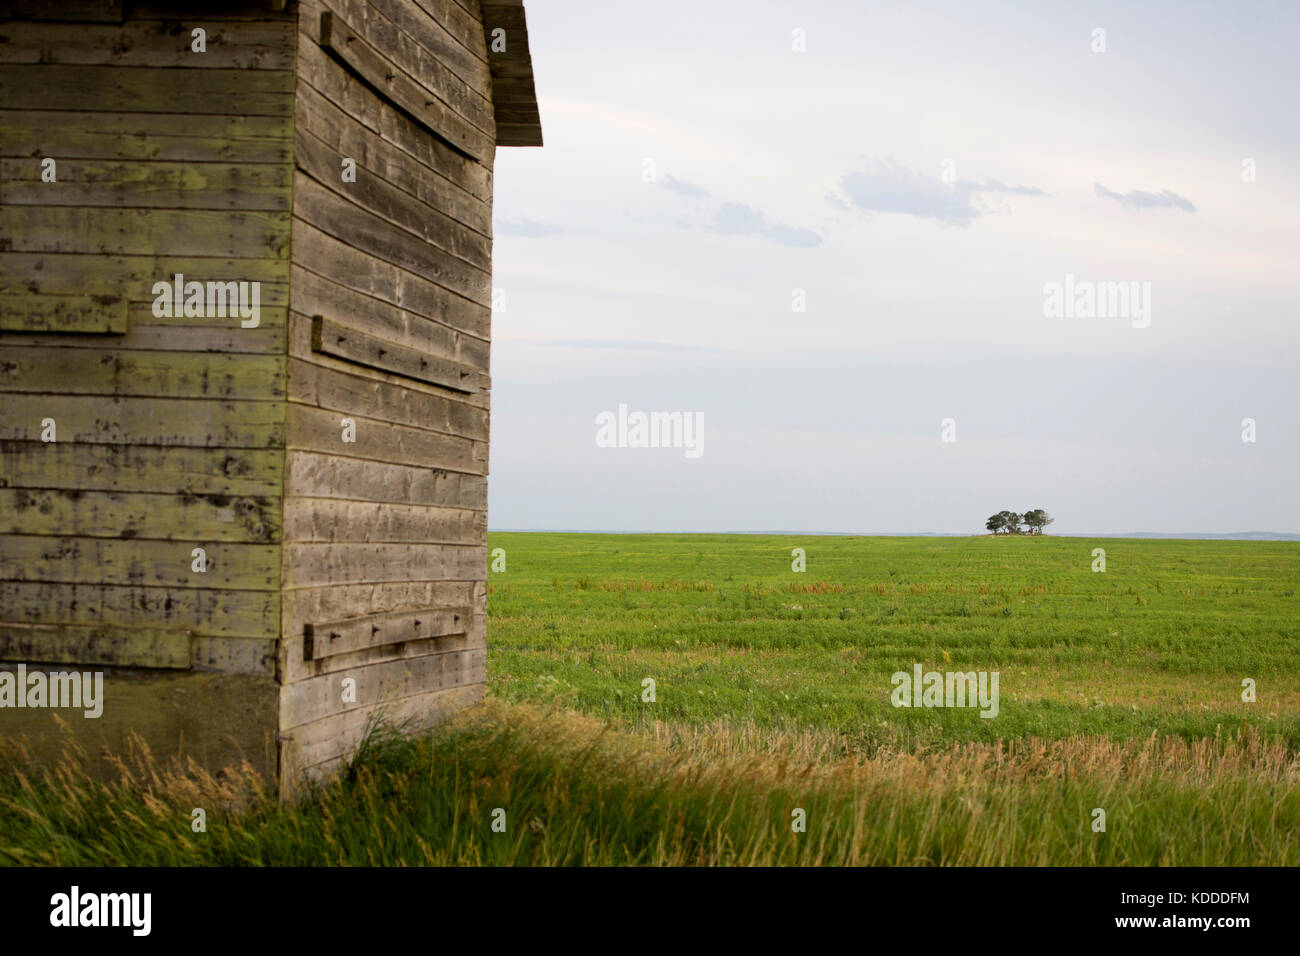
<point x="330" y="338"/>
<point x="393" y="84"/>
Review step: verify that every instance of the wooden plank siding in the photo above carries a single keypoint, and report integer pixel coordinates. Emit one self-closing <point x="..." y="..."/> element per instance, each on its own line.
<point x="389" y="323"/>
<point x="331" y="461"/>
<point x="170" y="430"/>
<point x="461" y="121"/>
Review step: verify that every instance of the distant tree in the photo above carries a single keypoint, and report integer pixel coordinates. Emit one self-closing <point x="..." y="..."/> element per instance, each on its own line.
<point x="1009" y="522"/>
<point x="1037" y="520"/>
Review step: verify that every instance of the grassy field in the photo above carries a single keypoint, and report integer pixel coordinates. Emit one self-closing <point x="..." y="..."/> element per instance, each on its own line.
<point x="1119" y="691"/>
<point x="1159" y="641"/>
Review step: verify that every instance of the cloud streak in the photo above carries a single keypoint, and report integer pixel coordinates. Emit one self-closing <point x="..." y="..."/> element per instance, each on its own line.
<point x="1137" y="199"/>
<point x="740" y="219"/>
<point x="892" y="188"/>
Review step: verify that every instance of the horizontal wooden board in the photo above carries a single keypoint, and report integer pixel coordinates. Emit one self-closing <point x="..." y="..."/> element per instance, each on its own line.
<point x="316" y="697"/>
<point x="153" y="184"/>
<point x="516" y="114"/>
<point x="317" y="117"/>
<point x="139" y="562"/>
<point x="336" y="601"/>
<point x="156" y="137"/>
<point x="329" y="519"/>
<point x="467" y="30"/>
<point x="326" y="256"/>
<point x="317" y="475"/>
<point x="375" y="236"/>
<point x="302" y="606"/>
<point x="393" y="83"/>
<point x="356" y="395"/>
<point x="315" y="294"/>
<point x="318" y="564"/>
<point x="201" y="423"/>
<point x="318" y="430"/>
<point x="147" y="374"/>
<point x="163" y="515"/>
<point x="142" y="89"/>
<point x="67" y="10"/>
<point x="374" y="194"/>
<point x="207" y="611"/>
<point x="518" y="134"/>
<point x="133" y="277"/>
<point x="235" y="655"/>
<point x="86" y="314"/>
<point x="315" y="750"/>
<point x="330" y="639"/>
<point x="367" y="656"/>
<point x="140" y="314"/>
<point x="101" y="644"/>
<point x="266" y="339"/>
<point x="472" y="7"/>
<point x="334" y="338"/>
<point x="246" y="45"/>
<point x="111" y="646"/>
<point x="230" y="472"/>
<point x="230" y="10"/>
<point x="180" y="232"/>
<point x="147" y="332"/>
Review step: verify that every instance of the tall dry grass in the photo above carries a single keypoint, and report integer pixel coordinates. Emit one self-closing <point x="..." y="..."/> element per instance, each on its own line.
<point x="575" y="791"/>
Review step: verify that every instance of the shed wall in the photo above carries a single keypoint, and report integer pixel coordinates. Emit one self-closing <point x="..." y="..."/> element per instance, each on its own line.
<point x="170" y="430"/>
<point x="327" y="559"/>
<point x="384" y="561"/>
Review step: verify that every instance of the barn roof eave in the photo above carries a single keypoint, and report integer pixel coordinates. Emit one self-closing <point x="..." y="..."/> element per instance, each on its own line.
<point x="514" y="98"/>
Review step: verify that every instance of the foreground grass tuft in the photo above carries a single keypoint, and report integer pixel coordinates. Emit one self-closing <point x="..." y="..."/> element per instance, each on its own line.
<point x="576" y="790"/>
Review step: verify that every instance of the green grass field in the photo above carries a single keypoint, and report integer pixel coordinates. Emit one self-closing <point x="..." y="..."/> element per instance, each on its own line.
<point x="1161" y="640"/>
<point x="1119" y="691"/>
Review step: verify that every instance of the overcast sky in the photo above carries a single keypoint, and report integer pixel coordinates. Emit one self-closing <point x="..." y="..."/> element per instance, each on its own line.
<point x="922" y="171"/>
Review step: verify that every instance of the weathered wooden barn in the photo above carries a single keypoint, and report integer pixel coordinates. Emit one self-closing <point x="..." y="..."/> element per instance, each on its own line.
<point x="245" y="308"/>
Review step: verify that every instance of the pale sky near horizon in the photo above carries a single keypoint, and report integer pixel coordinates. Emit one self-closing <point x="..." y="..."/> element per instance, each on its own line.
<point x="921" y="172"/>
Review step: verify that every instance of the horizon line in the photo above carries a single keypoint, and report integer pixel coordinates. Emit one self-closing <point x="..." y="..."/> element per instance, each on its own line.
<point x="1182" y="535"/>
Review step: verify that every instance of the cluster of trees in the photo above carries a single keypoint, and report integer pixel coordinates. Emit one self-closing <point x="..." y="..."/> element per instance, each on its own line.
<point x="1011" y="522"/>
